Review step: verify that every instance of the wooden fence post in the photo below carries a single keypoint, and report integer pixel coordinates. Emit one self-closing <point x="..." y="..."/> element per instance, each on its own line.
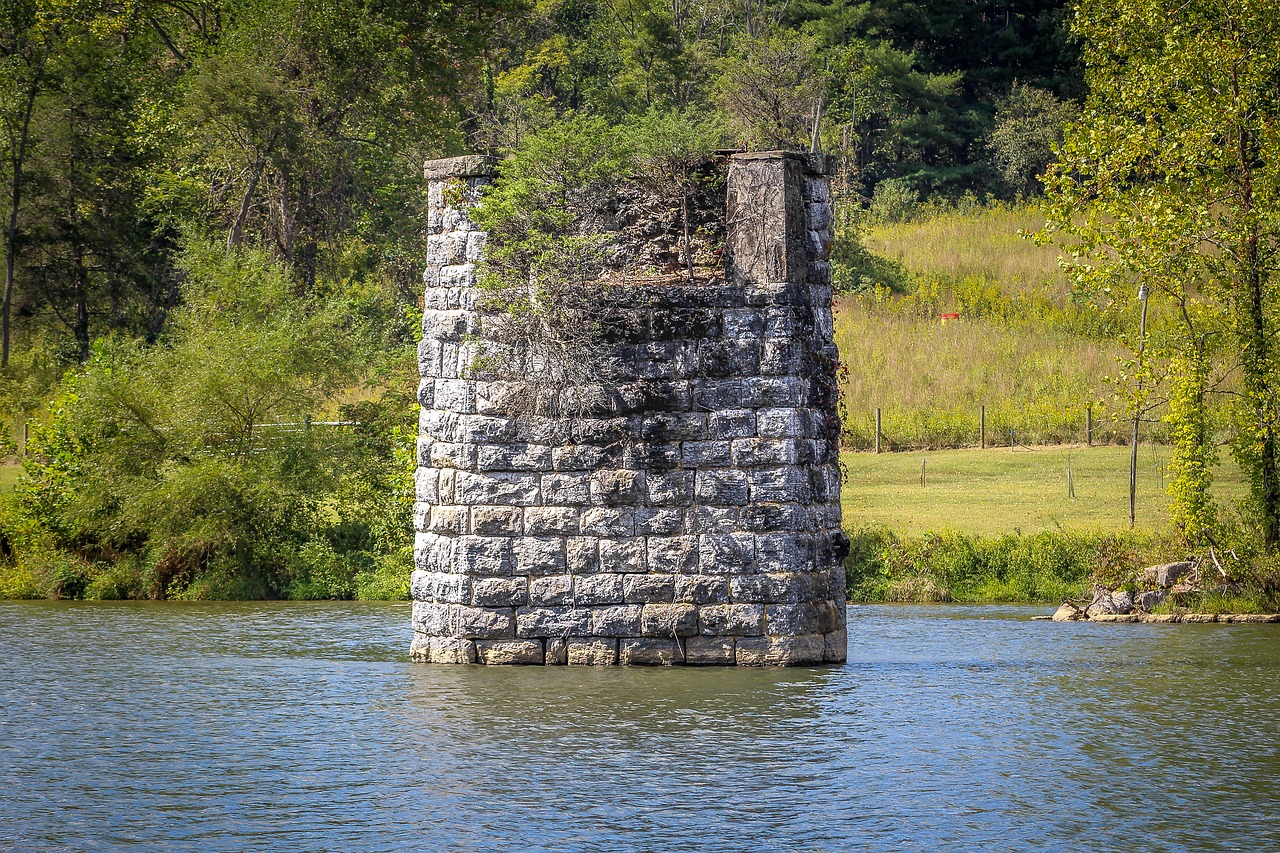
<point x="877" y="429"/>
<point x="982" y="427"/>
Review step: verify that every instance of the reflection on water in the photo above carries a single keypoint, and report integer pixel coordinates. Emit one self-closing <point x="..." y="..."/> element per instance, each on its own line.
<point x="303" y="727"/>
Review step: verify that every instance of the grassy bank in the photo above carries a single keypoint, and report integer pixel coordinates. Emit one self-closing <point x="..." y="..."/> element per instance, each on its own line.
<point x="1000" y="525"/>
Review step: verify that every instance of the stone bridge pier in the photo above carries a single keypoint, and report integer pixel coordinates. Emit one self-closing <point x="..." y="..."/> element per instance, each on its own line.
<point x="694" y="519"/>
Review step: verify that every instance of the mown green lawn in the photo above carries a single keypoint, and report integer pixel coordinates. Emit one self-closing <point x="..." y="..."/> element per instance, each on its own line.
<point x="9" y="476"/>
<point x="998" y="490"/>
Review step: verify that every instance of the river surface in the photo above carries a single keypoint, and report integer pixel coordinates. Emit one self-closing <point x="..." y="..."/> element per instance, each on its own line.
<point x="303" y="727"/>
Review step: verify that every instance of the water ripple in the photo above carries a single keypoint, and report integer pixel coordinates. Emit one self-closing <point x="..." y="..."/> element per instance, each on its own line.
<point x="302" y="727"/>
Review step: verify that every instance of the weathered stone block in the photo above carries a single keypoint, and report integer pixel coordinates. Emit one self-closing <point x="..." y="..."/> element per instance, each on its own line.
<point x="499" y="592"/>
<point x="622" y="556"/>
<point x="649" y="589"/>
<point x="552" y="590"/>
<point x="757" y="452"/>
<point x="726" y="553"/>
<point x="426" y="396"/>
<point x="422" y="517"/>
<point x="455" y="395"/>
<point x="552" y="621"/>
<point x="790" y="620"/>
<point x="566" y="488"/>
<point x="721" y="486"/>
<point x="780" y="651"/>
<point x="775" y="517"/>
<point x="703" y="454"/>
<point x="605" y="432"/>
<point x="489" y="623"/>
<point x="731" y="619"/>
<point x="649" y="652"/>
<point x="784" y="552"/>
<point x="660" y="521"/>
<point x="578" y="457"/>
<point x="608" y="521"/>
<point x="742" y="323"/>
<point x="616" y="621"/>
<point x="670" y="488"/>
<point x="669" y="620"/>
<point x="672" y="554"/>
<point x="426" y="485"/>
<point x="728" y="357"/>
<point x="496" y="520"/>
<point x="431" y="618"/>
<point x="730" y="424"/>
<point x="592" y="651"/>
<point x="597" y="589"/>
<point x="509" y="652"/>
<point x="466" y="166"/>
<point x="440" y="587"/>
<point x="520" y="456"/>
<point x="784" y="484"/>
<point x="671" y="426"/>
<point x="617" y="487"/>
<point x="716" y="394"/>
<point x="511" y="489"/>
<point x="447" y="326"/>
<point x="582" y="555"/>
<point x="784" y="356"/>
<point x="536" y="556"/>
<point x="773" y="391"/>
<point x="550" y="520"/>
<point x="557" y="651"/>
<point x="434" y="552"/>
<point x="420" y="648"/>
<point x="831" y="614"/>
<point x="452" y="650"/>
<point x="780" y="423"/>
<point x="702" y="589"/>
<point x="835" y="646"/>
<point x="483" y="555"/>
<point x="712" y="519"/>
<point x="709" y="651"/>
<point x="454" y="520"/>
<point x="483" y="429"/>
<point x="449" y="454"/>
<point x="772" y="588"/>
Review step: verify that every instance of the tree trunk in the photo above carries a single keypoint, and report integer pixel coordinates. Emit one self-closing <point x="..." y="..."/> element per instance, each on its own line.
<point x="684" y="217"/>
<point x="1257" y="362"/>
<point x="1256" y="355"/>
<point x="236" y="235"/>
<point x="80" y="275"/>
<point x="17" y="159"/>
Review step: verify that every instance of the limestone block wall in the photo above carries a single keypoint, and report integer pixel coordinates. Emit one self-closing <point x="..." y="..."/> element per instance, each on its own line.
<point x="693" y="517"/>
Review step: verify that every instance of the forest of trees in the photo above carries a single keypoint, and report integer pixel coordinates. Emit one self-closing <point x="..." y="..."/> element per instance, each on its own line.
<point x="213" y="230"/>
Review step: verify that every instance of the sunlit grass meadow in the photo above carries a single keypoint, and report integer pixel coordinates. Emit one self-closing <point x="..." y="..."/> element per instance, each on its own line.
<point x="997" y="491"/>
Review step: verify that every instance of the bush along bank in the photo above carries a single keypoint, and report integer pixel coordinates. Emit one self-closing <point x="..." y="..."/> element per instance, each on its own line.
<point x="1051" y="566"/>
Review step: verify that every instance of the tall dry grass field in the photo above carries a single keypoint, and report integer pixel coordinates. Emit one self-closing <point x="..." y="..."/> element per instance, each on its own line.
<point x="984" y="243"/>
<point x="1023" y="347"/>
<point x="929" y="379"/>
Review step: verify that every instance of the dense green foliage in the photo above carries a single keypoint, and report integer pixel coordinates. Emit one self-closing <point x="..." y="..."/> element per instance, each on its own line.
<point x="949" y="566"/>
<point x="1171" y="180"/>
<point x="189" y="468"/>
